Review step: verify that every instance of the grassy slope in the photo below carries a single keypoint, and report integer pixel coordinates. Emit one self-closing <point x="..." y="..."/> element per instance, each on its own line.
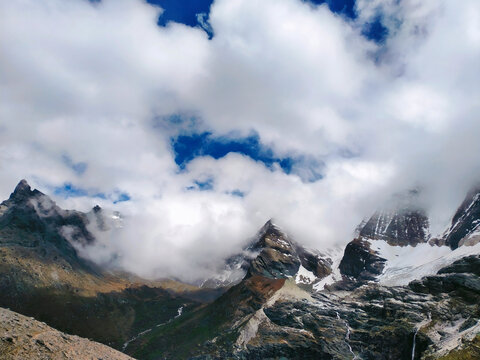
<point x="38" y="282"/>
<point x="193" y="333"/>
<point x="469" y="351"/>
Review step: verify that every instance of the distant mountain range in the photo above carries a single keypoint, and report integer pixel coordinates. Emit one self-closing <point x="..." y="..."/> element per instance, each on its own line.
<point x="393" y="292"/>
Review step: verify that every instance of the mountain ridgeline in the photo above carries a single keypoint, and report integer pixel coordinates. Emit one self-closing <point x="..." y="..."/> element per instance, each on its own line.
<point x="42" y="274"/>
<point x="393" y="292"/>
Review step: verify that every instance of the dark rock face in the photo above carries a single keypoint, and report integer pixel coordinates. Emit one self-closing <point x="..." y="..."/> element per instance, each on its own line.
<point x="406" y="226"/>
<point x="361" y="262"/>
<point x="465" y="221"/>
<point x="30" y="218"/>
<point x="342" y="331"/>
<point x="277" y="258"/>
<point x="468" y="264"/>
<point x="399" y="228"/>
<point x="280" y="257"/>
<point x="273" y="255"/>
<point x="318" y="265"/>
<point x="461" y="278"/>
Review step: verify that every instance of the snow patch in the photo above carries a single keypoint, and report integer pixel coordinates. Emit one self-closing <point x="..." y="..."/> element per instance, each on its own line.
<point x="335" y="255"/>
<point x="407" y="263"/>
<point x="304" y="276"/>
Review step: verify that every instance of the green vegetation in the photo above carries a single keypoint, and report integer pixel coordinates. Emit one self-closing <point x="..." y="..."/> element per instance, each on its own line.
<point x="469" y="351"/>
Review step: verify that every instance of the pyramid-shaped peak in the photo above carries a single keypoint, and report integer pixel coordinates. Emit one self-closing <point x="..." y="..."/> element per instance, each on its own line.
<point x="270" y="235"/>
<point x="23" y="191"/>
<point x="22" y="187"/>
<point x="270" y="226"/>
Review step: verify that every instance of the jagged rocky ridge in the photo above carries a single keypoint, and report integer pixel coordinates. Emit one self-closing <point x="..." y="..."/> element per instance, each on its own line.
<point x="465" y="227"/>
<point x="42" y="274"/>
<point x="32" y="217"/>
<point x="354" y="316"/>
<point x="394" y="242"/>
<point x="400" y="227"/>
<point x="279" y="299"/>
<point x="274" y="255"/>
<point x="265" y="317"/>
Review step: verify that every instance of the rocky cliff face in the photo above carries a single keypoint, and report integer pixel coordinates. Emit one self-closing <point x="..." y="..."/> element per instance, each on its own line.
<point x="394" y="242"/>
<point x="465" y="226"/>
<point x="31" y="219"/>
<point x="274" y="255"/>
<point x="360" y="264"/>
<point x="400" y="227"/>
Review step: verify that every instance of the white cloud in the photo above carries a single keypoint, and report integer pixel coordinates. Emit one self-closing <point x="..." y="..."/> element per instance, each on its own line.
<point x="85" y="80"/>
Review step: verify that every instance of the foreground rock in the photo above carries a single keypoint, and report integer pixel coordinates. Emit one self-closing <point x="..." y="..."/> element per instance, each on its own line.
<point x="24" y="338"/>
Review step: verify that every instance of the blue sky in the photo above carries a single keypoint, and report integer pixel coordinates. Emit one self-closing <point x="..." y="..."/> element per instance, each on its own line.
<point x="182" y="11"/>
<point x="69" y="190"/>
<point x="187" y="12"/>
<point x="188" y="146"/>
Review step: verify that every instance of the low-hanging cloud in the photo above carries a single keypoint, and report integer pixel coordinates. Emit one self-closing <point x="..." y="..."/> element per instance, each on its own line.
<point x="92" y="82"/>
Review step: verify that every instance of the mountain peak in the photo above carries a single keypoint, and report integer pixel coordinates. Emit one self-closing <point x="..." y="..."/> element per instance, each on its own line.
<point x="268" y="225"/>
<point x="269" y="228"/>
<point x="22" y="186"/>
<point x="22" y="191"/>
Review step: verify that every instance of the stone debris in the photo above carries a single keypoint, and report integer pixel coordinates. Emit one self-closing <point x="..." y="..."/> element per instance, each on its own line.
<point x="24" y="338"/>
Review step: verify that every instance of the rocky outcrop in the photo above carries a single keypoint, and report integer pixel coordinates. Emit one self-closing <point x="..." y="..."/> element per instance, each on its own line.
<point x="24" y="338"/>
<point x="359" y="264"/>
<point x="277" y="256"/>
<point x="465" y="226"/>
<point x="29" y="218"/>
<point x="274" y="255"/>
<point x="468" y="264"/>
<point x="400" y="227"/>
<point x="461" y="278"/>
<point x="404" y="224"/>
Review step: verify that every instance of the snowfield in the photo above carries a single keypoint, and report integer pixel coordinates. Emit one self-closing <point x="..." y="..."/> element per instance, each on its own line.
<point x="407" y="263"/>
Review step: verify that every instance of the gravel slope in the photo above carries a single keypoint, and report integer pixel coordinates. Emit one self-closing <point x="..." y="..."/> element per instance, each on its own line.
<point x="25" y="338"/>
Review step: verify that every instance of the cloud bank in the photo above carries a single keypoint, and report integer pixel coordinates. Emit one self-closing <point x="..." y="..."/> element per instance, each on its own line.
<point x="89" y="91"/>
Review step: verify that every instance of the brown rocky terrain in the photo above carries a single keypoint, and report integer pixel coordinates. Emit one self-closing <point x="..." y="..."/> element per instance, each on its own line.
<point x="24" y="338"/>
